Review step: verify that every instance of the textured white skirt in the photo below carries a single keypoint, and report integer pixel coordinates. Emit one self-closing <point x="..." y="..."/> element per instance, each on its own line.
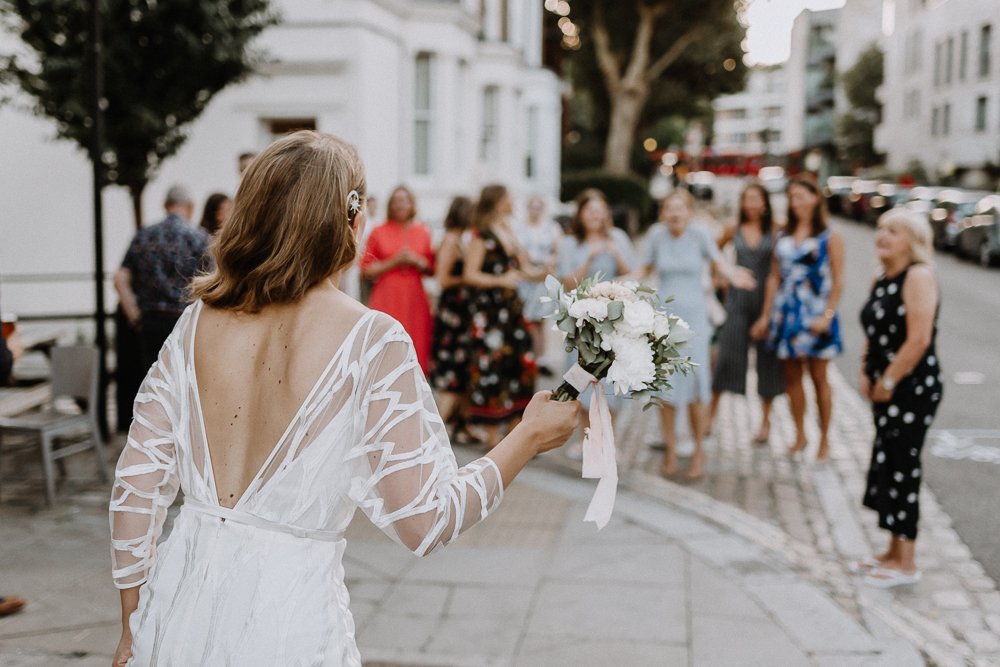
<point x="229" y="588"/>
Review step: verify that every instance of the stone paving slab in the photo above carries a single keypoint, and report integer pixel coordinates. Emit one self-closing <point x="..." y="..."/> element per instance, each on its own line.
<point x="677" y="577"/>
<point x="809" y="515"/>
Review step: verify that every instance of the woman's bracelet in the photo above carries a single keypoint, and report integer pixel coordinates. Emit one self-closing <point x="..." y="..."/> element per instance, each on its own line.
<point x="829" y="313"/>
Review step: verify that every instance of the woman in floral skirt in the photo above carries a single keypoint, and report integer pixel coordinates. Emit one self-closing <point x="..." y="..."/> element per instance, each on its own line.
<point x="452" y="340"/>
<point x="503" y="366"/>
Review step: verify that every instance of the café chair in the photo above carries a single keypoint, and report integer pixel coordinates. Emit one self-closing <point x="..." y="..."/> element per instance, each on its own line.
<point x="62" y="433"/>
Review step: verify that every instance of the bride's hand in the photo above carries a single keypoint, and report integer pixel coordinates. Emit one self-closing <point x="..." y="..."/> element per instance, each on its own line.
<point x="124" y="651"/>
<point x="551" y="422"/>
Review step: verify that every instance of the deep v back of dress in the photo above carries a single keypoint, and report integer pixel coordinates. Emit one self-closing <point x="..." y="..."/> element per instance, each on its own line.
<point x="255" y="375"/>
<point x="274" y="450"/>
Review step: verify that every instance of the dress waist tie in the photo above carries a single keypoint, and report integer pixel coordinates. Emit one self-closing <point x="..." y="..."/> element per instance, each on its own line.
<point x="247" y="519"/>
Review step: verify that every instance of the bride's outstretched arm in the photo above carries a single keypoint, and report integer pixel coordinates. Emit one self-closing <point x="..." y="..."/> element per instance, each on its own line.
<point x="407" y="479"/>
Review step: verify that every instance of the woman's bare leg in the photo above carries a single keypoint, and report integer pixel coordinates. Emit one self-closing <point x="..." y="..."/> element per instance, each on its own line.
<point x="696" y="415"/>
<point x="797" y="401"/>
<point x="668" y="415"/>
<point x="713" y="409"/>
<point x="824" y="401"/>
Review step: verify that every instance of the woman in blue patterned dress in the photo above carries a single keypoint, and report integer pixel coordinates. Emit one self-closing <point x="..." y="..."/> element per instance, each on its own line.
<point x="801" y="296"/>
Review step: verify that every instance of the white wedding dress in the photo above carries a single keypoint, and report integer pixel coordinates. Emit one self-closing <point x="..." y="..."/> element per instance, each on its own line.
<point x="262" y="583"/>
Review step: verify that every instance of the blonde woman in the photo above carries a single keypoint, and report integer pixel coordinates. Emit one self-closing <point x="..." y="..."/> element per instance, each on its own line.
<point x="280" y="405"/>
<point x="901" y="375"/>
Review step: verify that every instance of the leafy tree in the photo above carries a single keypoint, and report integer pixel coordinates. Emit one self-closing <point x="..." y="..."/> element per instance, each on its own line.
<point x="856" y="127"/>
<point x="641" y="60"/>
<point x="163" y="61"/>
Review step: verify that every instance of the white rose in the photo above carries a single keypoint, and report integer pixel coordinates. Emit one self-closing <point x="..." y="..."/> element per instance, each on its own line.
<point x="680" y="332"/>
<point x="661" y="326"/>
<point x="637" y="320"/>
<point x="633" y="368"/>
<point x="588" y="309"/>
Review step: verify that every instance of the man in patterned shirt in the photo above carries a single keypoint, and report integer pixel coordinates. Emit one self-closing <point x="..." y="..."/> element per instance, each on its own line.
<point x="155" y="275"/>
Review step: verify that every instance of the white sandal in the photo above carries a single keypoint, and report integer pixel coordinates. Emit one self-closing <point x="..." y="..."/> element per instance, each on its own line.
<point x="864" y="565"/>
<point x="885" y="577"/>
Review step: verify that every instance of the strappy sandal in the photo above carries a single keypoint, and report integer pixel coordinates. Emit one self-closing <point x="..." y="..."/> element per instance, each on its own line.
<point x="864" y="565"/>
<point x="884" y="577"/>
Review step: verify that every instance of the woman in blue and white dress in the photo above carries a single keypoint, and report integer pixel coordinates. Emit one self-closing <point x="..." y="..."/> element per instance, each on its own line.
<point x="801" y="296"/>
<point x="680" y="254"/>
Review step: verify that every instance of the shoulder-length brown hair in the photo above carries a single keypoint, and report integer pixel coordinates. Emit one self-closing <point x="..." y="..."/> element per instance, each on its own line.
<point x="818" y="224"/>
<point x="290" y="226"/>
<point x="459" y="214"/>
<point x="767" y="217"/>
<point x="585" y="197"/>
<point x="485" y="212"/>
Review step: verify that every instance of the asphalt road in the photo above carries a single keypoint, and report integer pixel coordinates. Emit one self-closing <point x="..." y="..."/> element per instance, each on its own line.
<point x="962" y="455"/>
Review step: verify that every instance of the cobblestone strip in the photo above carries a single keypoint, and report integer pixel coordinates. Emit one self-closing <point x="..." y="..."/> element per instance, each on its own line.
<point x="810" y="516"/>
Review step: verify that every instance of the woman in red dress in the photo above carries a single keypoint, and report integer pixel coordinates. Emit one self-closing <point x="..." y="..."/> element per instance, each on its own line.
<point x="397" y="256"/>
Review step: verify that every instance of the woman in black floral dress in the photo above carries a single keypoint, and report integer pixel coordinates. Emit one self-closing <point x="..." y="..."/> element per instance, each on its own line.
<point x="503" y="367"/>
<point x="451" y="354"/>
<point x="902" y="377"/>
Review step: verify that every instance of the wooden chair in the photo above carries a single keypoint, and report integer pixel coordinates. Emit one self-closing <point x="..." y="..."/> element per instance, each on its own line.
<point x="74" y="375"/>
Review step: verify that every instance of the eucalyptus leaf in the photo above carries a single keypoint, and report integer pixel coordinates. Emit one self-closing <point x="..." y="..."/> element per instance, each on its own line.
<point x="615" y="310"/>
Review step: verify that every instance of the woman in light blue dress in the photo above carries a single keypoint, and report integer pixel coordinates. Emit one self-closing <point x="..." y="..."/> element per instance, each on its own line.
<point x="681" y="254"/>
<point x="594" y="247"/>
<point x="801" y="296"/>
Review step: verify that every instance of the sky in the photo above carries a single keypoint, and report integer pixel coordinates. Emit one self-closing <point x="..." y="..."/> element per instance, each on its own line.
<point x="769" y="32"/>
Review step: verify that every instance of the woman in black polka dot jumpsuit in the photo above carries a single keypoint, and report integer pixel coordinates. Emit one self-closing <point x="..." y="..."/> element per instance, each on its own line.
<point x="902" y="378"/>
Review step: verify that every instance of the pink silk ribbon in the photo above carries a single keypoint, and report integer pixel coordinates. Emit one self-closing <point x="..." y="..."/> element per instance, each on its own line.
<point x="599" y="461"/>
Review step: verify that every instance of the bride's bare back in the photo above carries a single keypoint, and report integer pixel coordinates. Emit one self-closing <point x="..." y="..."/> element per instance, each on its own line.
<point x="255" y="371"/>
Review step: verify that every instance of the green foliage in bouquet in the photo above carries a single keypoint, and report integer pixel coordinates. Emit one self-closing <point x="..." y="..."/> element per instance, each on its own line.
<point x="622" y="333"/>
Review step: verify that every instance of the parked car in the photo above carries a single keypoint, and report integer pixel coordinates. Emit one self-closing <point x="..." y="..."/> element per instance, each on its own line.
<point x="951" y="208"/>
<point x="701" y="184"/>
<point x="887" y="196"/>
<point x="836" y="190"/>
<point x="922" y="199"/>
<point x="773" y="179"/>
<point x="980" y="234"/>
<point x="857" y="202"/>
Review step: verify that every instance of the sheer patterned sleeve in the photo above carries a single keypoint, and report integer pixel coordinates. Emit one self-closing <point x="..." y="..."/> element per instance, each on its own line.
<point x="405" y="476"/>
<point x="146" y="479"/>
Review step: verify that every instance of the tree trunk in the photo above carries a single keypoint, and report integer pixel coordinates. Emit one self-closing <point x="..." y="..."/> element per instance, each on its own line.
<point x="626" y="111"/>
<point x="136" y="192"/>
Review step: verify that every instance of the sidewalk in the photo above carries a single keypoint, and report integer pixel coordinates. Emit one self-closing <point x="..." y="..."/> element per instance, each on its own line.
<point x="743" y="568"/>
<point x="534" y="585"/>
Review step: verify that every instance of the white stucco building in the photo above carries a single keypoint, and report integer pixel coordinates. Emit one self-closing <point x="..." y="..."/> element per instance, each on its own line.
<point x="752" y="122"/>
<point x="941" y="93"/>
<point x="444" y="95"/>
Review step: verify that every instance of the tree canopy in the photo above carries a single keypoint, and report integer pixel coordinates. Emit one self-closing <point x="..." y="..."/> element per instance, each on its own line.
<point x="856" y="127"/>
<point x="163" y="62"/>
<point x="640" y="61"/>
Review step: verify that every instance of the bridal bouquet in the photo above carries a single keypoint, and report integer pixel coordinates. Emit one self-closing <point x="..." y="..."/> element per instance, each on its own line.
<point x="625" y="336"/>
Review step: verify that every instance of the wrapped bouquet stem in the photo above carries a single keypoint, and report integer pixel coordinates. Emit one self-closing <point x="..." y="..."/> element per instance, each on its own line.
<point x="625" y="338"/>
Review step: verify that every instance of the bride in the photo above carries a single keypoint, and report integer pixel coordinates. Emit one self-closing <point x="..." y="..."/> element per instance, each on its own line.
<point x="279" y="405"/>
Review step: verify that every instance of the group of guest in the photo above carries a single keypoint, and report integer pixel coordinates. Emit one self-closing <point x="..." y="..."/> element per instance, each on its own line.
<point x="789" y="315"/>
<point x="477" y="347"/>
